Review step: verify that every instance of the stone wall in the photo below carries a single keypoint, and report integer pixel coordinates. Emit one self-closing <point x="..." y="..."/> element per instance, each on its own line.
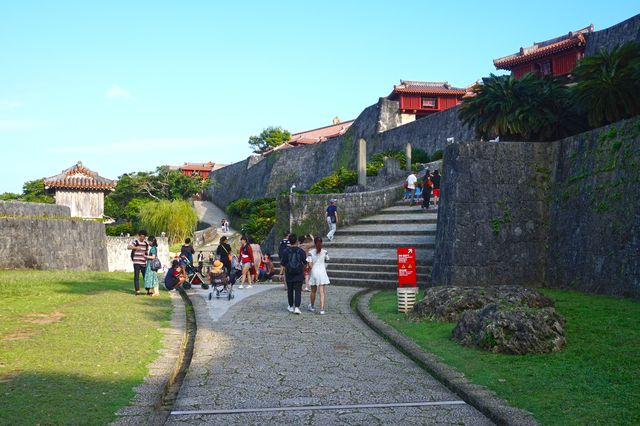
<point x="119" y="257"/>
<point x="52" y="243"/>
<point x="594" y="242"/>
<point x="607" y="39"/>
<point x="85" y="204"/>
<point x="19" y="208"/>
<point x="492" y="220"/>
<point x="562" y="214"/>
<point x="270" y="175"/>
<point x="305" y="213"/>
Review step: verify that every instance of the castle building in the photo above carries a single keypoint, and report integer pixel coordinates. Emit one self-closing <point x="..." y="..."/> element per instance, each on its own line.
<point x="80" y="189"/>
<point x="422" y="98"/>
<point x="199" y="169"/>
<point x="557" y="56"/>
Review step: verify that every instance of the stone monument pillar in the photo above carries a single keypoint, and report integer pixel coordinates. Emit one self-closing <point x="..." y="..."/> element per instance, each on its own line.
<point x="407" y="152"/>
<point x="362" y="162"/>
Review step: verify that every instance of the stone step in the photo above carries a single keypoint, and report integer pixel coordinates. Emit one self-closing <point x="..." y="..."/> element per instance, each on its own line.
<point x="385" y="267"/>
<point x="406" y="209"/>
<point x="370" y="274"/>
<point x="371" y="256"/>
<point x="370" y="283"/>
<point x="414" y="218"/>
<point x="399" y="229"/>
<point x="349" y="242"/>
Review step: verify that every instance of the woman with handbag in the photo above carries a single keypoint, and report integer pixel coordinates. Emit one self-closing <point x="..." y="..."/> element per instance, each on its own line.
<point x="224" y="254"/>
<point x="151" y="282"/>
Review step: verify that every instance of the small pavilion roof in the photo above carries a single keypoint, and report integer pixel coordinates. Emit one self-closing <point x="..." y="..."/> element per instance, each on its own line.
<point x="310" y="137"/>
<point x="426" y="88"/>
<point x="544" y="48"/>
<point x="79" y="177"/>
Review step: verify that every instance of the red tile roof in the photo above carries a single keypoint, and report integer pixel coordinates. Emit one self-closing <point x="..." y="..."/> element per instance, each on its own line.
<point x="313" y="136"/>
<point x="79" y="177"/>
<point x="198" y="166"/>
<point x="544" y="48"/>
<point x="426" y="88"/>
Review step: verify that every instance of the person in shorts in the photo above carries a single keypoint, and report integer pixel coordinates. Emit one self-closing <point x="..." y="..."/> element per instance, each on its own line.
<point x="435" y="178"/>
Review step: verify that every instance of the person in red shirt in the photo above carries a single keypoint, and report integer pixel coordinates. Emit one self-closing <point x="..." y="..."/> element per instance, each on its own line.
<point x="246" y="260"/>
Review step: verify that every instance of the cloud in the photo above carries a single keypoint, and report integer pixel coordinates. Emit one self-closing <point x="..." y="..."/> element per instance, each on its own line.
<point x="8" y="125"/>
<point x="6" y="105"/>
<point x="136" y="146"/>
<point x="117" y="92"/>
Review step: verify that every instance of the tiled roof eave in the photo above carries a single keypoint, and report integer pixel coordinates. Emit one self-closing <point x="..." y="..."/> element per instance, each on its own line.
<point x="508" y="62"/>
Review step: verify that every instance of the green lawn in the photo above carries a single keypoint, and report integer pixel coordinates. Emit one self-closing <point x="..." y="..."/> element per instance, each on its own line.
<point x="73" y="345"/>
<point x="594" y="380"/>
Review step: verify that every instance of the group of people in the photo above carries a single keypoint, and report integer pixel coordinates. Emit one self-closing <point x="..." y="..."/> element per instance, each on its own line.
<point x="143" y="251"/>
<point x="424" y="187"/>
<point x="302" y="263"/>
<point x="224" y="225"/>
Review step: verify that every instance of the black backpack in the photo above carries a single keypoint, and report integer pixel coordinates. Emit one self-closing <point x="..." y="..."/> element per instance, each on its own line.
<point x="294" y="262"/>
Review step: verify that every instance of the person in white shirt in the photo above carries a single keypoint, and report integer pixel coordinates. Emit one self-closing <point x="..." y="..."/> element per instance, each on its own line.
<point x="411" y="186"/>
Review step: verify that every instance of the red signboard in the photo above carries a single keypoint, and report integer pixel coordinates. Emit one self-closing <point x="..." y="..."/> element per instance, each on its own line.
<point x="407" y="267"/>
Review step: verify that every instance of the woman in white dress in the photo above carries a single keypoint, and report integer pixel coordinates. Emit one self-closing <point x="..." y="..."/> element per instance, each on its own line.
<point x="318" y="277"/>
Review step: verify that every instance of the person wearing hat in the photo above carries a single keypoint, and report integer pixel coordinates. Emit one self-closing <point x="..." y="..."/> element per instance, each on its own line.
<point x="175" y="277"/>
<point x="332" y="218"/>
<point x="217" y="276"/>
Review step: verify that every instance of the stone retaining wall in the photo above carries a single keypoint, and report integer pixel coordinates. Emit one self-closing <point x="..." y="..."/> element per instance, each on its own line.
<point x="607" y="39"/>
<point x="20" y="208"/>
<point x="562" y="214"/>
<point x="52" y="243"/>
<point x="119" y="257"/>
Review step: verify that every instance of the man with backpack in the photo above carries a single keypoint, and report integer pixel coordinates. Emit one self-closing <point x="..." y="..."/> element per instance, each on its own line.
<point x="293" y="261"/>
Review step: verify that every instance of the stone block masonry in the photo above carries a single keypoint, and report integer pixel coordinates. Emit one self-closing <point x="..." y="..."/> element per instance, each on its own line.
<point x="22" y="209"/>
<point x="562" y="214"/>
<point x="119" y="258"/>
<point x="492" y="220"/>
<point x="48" y="244"/>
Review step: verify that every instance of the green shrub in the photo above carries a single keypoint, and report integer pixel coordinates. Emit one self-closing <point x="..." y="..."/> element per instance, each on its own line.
<point x="438" y="155"/>
<point x="253" y="217"/>
<point x="419" y="156"/>
<point x="335" y="182"/>
<point x="124" y="228"/>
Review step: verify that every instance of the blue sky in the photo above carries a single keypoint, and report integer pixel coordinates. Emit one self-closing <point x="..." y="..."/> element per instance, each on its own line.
<point x="130" y="85"/>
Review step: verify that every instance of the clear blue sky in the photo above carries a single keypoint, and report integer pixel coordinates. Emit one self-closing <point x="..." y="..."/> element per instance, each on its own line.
<point x="130" y="85"/>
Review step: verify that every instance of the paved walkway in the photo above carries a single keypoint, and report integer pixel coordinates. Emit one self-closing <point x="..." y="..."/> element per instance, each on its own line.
<point x="251" y="354"/>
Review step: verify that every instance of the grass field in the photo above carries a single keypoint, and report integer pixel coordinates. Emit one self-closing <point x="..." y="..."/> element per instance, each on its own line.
<point x="73" y="345"/>
<point x="594" y="380"/>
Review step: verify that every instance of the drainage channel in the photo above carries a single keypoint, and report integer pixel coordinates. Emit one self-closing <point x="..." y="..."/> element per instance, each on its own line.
<point x="318" y="408"/>
<point x="162" y="410"/>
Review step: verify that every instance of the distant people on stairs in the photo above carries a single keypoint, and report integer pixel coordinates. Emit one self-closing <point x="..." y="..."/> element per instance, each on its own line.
<point x="318" y="279"/>
<point x="332" y="218"/>
<point x="139" y="249"/>
<point x="435" y="178"/>
<point x="411" y="186"/>
<point x="292" y="266"/>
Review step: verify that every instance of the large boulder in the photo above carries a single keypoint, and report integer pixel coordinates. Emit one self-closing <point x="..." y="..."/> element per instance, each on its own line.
<point x="448" y="303"/>
<point x="512" y="330"/>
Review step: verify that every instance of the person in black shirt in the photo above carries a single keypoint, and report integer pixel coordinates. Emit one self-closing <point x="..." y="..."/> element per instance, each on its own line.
<point x="224" y="254"/>
<point x="293" y="262"/>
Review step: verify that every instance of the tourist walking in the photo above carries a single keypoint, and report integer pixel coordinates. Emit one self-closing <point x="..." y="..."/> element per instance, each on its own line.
<point x="332" y="218"/>
<point x="436" y="187"/>
<point x="151" y="282"/>
<point x="411" y="186"/>
<point x="426" y="189"/>
<point x="257" y="258"/>
<point x="139" y="249"/>
<point x="292" y="266"/>
<point x="187" y="251"/>
<point x="318" y="278"/>
<point x="246" y="260"/>
<point x="223" y="252"/>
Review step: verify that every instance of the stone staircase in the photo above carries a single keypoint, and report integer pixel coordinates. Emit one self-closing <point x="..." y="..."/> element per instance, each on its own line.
<point x="364" y="254"/>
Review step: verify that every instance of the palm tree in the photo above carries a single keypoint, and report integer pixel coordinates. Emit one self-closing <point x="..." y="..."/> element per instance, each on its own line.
<point x="528" y="108"/>
<point x="608" y="87"/>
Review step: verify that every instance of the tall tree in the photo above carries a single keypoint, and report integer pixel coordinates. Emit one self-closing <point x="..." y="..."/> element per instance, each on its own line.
<point x="269" y="138"/>
<point x="608" y="87"/>
<point x="177" y="218"/>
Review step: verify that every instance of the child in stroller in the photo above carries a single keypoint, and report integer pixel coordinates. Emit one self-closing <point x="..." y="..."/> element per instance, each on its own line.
<point x="220" y="281"/>
<point x="193" y="276"/>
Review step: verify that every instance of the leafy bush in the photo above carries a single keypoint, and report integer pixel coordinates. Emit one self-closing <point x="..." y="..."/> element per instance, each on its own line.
<point x="377" y="161"/>
<point x="438" y="155"/>
<point x="177" y="218"/>
<point x="419" y="156"/>
<point x="335" y="182"/>
<point x="255" y="217"/>
<point x="117" y="229"/>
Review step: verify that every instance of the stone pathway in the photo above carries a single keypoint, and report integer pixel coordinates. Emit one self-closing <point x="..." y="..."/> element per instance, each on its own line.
<point x="257" y="356"/>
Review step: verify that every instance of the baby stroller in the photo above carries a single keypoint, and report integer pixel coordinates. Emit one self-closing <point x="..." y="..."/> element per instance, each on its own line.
<point x="220" y="283"/>
<point x="193" y="276"/>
